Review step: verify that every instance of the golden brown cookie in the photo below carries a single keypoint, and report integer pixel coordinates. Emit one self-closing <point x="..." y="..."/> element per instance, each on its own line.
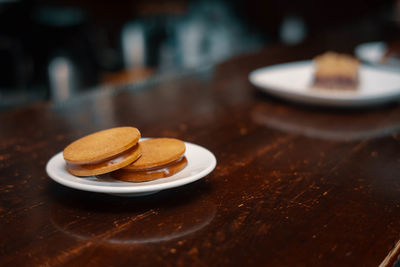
<point x="157" y="152"/>
<point x="152" y="173"/>
<point x="336" y="71"/>
<point x="103" y="151"/>
<point x="161" y="157"/>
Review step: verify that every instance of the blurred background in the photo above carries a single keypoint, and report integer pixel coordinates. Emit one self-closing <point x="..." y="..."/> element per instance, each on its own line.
<point x="54" y="50"/>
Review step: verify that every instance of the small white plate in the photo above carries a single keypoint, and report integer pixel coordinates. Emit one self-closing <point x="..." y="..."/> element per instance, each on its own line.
<point x="371" y="52"/>
<point x="292" y="81"/>
<point x="200" y="163"/>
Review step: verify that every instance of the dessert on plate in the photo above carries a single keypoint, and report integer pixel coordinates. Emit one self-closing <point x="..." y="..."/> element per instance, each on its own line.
<point x="336" y="71"/>
<point x="119" y="151"/>
<point x="103" y="151"/>
<point x="161" y="157"/>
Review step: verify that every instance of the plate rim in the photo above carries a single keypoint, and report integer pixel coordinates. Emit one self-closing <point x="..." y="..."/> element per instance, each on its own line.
<point x="132" y="189"/>
<point x="320" y="98"/>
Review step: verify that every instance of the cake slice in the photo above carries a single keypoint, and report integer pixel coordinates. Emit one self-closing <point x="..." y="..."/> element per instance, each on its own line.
<point x="336" y="71"/>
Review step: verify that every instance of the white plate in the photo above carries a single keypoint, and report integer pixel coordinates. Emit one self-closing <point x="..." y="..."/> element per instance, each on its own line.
<point x="292" y="81"/>
<point x="373" y="53"/>
<point x="200" y="163"/>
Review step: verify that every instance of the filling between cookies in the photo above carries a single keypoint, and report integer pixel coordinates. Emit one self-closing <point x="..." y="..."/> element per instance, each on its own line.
<point x="159" y="168"/>
<point x="103" y="163"/>
<point x="151" y="173"/>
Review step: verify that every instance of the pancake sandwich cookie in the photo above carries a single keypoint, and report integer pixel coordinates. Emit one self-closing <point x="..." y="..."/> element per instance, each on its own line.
<point x="161" y="157"/>
<point x="103" y="152"/>
<point x="336" y="71"/>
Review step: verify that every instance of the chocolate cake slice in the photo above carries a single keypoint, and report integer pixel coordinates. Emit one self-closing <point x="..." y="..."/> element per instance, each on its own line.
<point x="336" y="71"/>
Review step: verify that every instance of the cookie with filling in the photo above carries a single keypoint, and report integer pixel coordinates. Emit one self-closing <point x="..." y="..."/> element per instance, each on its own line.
<point x="161" y="157"/>
<point x="102" y="152"/>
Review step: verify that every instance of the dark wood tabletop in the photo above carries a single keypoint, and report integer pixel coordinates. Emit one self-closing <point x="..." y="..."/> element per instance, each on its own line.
<point x="293" y="186"/>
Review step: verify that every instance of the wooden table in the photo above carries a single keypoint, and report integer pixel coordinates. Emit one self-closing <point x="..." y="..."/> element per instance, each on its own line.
<point x="293" y="186"/>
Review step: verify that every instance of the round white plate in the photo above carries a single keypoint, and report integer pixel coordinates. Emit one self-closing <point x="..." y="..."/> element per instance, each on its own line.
<point x="292" y="81"/>
<point x="200" y="163"/>
<point x="373" y="53"/>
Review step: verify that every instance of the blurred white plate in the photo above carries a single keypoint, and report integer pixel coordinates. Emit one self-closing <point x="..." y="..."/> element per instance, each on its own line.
<point x="292" y="81"/>
<point x="373" y="52"/>
<point x="200" y="163"/>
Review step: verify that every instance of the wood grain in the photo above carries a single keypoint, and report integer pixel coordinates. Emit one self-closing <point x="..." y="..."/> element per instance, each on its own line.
<point x="294" y="185"/>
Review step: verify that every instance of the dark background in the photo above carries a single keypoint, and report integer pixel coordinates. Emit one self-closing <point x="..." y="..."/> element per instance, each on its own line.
<point x="53" y="50"/>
